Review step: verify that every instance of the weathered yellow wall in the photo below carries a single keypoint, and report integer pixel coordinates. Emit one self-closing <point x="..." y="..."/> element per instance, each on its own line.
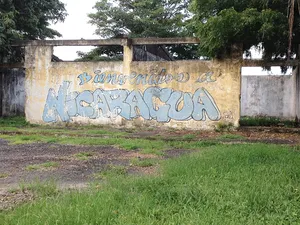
<point x="211" y="87"/>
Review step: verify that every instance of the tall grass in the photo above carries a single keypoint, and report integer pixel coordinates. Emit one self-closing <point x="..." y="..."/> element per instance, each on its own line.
<point x="234" y="184"/>
<point x="266" y="121"/>
<point x="16" y="121"/>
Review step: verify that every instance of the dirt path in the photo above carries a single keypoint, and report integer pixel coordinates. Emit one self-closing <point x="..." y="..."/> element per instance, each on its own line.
<point x="62" y="163"/>
<point x="19" y="162"/>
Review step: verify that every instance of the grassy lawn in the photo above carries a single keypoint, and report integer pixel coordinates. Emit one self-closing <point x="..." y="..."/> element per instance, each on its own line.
<point x="217" y="184"/>
<point x="221" y="184"/>
<point x="17" y="131"/>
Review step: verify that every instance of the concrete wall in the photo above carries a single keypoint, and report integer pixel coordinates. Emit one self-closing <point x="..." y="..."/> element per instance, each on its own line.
<point x="297" y="92"/>
<point x="12" y="92"/>
<point x="177" y="94"/>
<point x="270" y="96"/>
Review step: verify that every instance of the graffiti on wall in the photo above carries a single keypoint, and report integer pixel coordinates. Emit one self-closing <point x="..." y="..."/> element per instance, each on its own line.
<point x="134" y="78"/>
<point x="206" y="77"/>
<point x="155" y="103"/>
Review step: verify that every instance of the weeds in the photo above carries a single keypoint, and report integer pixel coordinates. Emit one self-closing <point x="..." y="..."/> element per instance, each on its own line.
<point x="222" y="127"/>
<point x="43" y="166"/>
<point x="188" y="137"/>
<point x="231" y="137"/>
<point x="266" y="121"/>
<point x="16" y="121"/>
<point x="111" y="171"/>
<point x="143" y="162"/>
<point x="39" y="188"/>
<point x="84" y="155"/>
<point x="4" y="175"/>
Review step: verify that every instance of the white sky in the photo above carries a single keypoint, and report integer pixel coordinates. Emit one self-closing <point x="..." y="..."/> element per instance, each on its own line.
<point x="76" y="26"/>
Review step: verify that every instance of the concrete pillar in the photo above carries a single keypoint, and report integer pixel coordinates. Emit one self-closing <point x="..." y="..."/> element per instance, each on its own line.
<point x="127" y="56"/>
<point x="37" y="64"/>
<point x="235" y="68"/>
<point x="38" y="56"/>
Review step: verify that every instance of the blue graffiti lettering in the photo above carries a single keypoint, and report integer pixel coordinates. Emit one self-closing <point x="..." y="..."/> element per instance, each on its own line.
<point x="84" y="78"/>
<point x="187" y="108"/>
<point x="57" y="105"/>
<point x="160" y="104"/>
<point x="203" y="102"/>
<point x="135" y="79"/>
<point x="158" y="113"/>
<point x="116" y="101"/>
<point x="83" y="102"/>
<point x="136" y="101"/>
<point x="101" y="108"/>
<point x="205" y="77"/>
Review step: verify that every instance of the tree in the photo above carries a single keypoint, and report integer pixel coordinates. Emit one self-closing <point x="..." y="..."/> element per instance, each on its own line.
<point x="140" y="18"/>
<point x="27" y="20"/>
<point x="265" y="23"/>
<point x="291" y="9"/>
<point x="102" y="53"/>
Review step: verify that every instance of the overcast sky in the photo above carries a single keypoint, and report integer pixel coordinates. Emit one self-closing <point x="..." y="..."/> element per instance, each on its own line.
<point x="76" y="26"/>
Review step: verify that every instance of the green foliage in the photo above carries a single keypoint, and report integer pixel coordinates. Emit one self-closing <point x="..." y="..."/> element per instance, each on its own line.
<point x="231" y="137"/>
<point x="265" y="121"/>
<point x="234" y="184"/>
<point x="40" y="189"/>
<point x="222" y="127"/>
<point x="84" y="155"/>
<point x="43" y="166"/>
<point x="143" y="162"/>
<point x="140" y="18"/>
<point x="3" y="175"/>
<point x="111" y="171"/>
<point x="102" y="53"/>
<point x="188" y="137"/>
<point x="219" y="24"/>
<point x="16" y="121"/>
<point x="26" y="20"/>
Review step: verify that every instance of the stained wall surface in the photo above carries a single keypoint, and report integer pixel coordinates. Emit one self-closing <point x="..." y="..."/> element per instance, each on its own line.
<point x="274" y="96"/>
<point x="177" y="94"/>
<point x="12" y="93"/>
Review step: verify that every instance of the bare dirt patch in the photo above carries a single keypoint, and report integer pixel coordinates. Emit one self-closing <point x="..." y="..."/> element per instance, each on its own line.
<point x="69" y="172"/>
<point x="9" y="199"/>
<point x="270" y="135"/>
<point x="15" y="160"/>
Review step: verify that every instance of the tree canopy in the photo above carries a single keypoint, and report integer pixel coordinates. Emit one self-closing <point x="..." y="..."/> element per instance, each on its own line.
<point x="140" y="18"/>
<point x="30" y="19"/>
<point x="260" y="23"/>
